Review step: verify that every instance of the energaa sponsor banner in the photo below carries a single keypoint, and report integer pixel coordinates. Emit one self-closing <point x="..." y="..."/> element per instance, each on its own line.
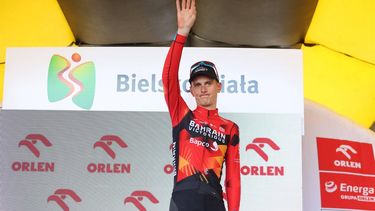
<point x="117" y="79"/>
<point x="347" y="174"/>
<point x="347" y="191"/>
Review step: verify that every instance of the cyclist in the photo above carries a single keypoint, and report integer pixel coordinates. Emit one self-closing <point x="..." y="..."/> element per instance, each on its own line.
<point x="202" y="140"/>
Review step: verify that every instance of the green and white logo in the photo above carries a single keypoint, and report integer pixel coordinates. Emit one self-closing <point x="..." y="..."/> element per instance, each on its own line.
<point x="65" y="80"/>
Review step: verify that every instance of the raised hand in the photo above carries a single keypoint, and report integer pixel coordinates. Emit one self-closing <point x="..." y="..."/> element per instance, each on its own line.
<point x="186" y="14"/>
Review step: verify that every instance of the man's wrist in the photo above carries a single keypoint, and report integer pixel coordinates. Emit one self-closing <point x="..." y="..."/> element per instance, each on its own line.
<point x="183" y="31"/>
<point x="180" y="38"/>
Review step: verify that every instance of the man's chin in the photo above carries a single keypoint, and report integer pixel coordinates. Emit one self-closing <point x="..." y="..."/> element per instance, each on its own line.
<point x="205" y="104"/>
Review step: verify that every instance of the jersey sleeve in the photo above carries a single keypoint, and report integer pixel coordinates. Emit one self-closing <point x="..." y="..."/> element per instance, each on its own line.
<point x="176" y="105"/>
<point x="233" y="177"/>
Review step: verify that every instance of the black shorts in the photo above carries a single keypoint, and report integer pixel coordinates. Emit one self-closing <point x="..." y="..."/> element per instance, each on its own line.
<point x="193" y="200"/>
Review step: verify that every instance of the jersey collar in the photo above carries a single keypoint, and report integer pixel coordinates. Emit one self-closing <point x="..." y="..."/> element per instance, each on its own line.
<point x="203" y="112"/>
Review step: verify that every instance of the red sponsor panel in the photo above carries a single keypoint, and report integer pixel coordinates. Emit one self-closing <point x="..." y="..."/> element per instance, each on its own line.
<point x="345" y="156"/>
<point x="347" y="191"/>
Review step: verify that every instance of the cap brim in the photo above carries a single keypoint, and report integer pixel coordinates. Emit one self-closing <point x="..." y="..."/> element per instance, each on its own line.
<point x="207" y="74"/>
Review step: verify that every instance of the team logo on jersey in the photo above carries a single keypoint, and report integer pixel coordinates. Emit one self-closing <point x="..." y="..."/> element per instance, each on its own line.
<point x="207" y="144"/>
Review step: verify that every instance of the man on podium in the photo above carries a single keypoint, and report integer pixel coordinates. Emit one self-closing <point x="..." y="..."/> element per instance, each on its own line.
<point x="202" y="140"/>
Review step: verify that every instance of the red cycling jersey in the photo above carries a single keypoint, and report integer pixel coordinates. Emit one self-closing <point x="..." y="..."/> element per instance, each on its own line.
<point x="202" y="140"/>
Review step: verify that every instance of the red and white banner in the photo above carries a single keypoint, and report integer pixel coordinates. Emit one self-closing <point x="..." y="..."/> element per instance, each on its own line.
<point x="347" y="174"/>
<point x="88" y="128"/>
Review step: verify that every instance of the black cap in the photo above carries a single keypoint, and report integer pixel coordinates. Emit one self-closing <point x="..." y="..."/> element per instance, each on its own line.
<point x="204" y="68"/>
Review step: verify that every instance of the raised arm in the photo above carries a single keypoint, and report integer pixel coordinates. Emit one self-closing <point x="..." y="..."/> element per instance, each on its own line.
<point x="186" y="13"/>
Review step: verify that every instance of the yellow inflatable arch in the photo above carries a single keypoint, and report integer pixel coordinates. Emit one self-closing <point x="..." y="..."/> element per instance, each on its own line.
<point x="31" y="23"/>
<point x="340" y="69"/>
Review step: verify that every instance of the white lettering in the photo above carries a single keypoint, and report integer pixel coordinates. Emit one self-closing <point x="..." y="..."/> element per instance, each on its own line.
<point x="207" y="131"/>
<point x="199" y="143"/>
<point x="348" y="164"/>
<point x="356" y="189"/>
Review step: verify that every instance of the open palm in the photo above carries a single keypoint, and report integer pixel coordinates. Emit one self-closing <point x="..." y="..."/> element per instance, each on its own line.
<point x="186" y="15"/>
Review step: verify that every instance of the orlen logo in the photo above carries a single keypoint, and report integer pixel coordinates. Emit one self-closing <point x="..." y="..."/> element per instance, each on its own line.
<point x="106" y="144"/>
<point x="34" y="143"/>
<point x="347" y="151"/>
<point x="106" y="141"/>
<point x="60" y="195"/>
<point x="257" y="146"/>
<point x="77" y="82"/>
<point x="137" y="197"/>
<point x="168" y="169"/>
<point x="330" y="186"/>
<point x="31" y="140"/>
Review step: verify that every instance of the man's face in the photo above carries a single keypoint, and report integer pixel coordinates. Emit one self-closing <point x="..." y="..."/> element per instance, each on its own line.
<point x="205" y="90"/>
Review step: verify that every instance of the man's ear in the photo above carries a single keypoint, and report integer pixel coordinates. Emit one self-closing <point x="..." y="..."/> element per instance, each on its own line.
<point x="218" y="87"/>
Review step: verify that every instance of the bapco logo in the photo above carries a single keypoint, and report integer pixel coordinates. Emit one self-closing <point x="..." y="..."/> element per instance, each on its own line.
<point x="34" y="142"/>
<point x="330" y="186"/>
<point x="60" y="195"/>
<point x="31" y="140"/>
<point x="137" y="197"/>
<point x="258" y="144"/>
<point x="105" y="143"/>
<point x="267" y="170"/>
<point x="202" y="143"/>
<point x="77" y="82"/>
<point x="346" y="150"/>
